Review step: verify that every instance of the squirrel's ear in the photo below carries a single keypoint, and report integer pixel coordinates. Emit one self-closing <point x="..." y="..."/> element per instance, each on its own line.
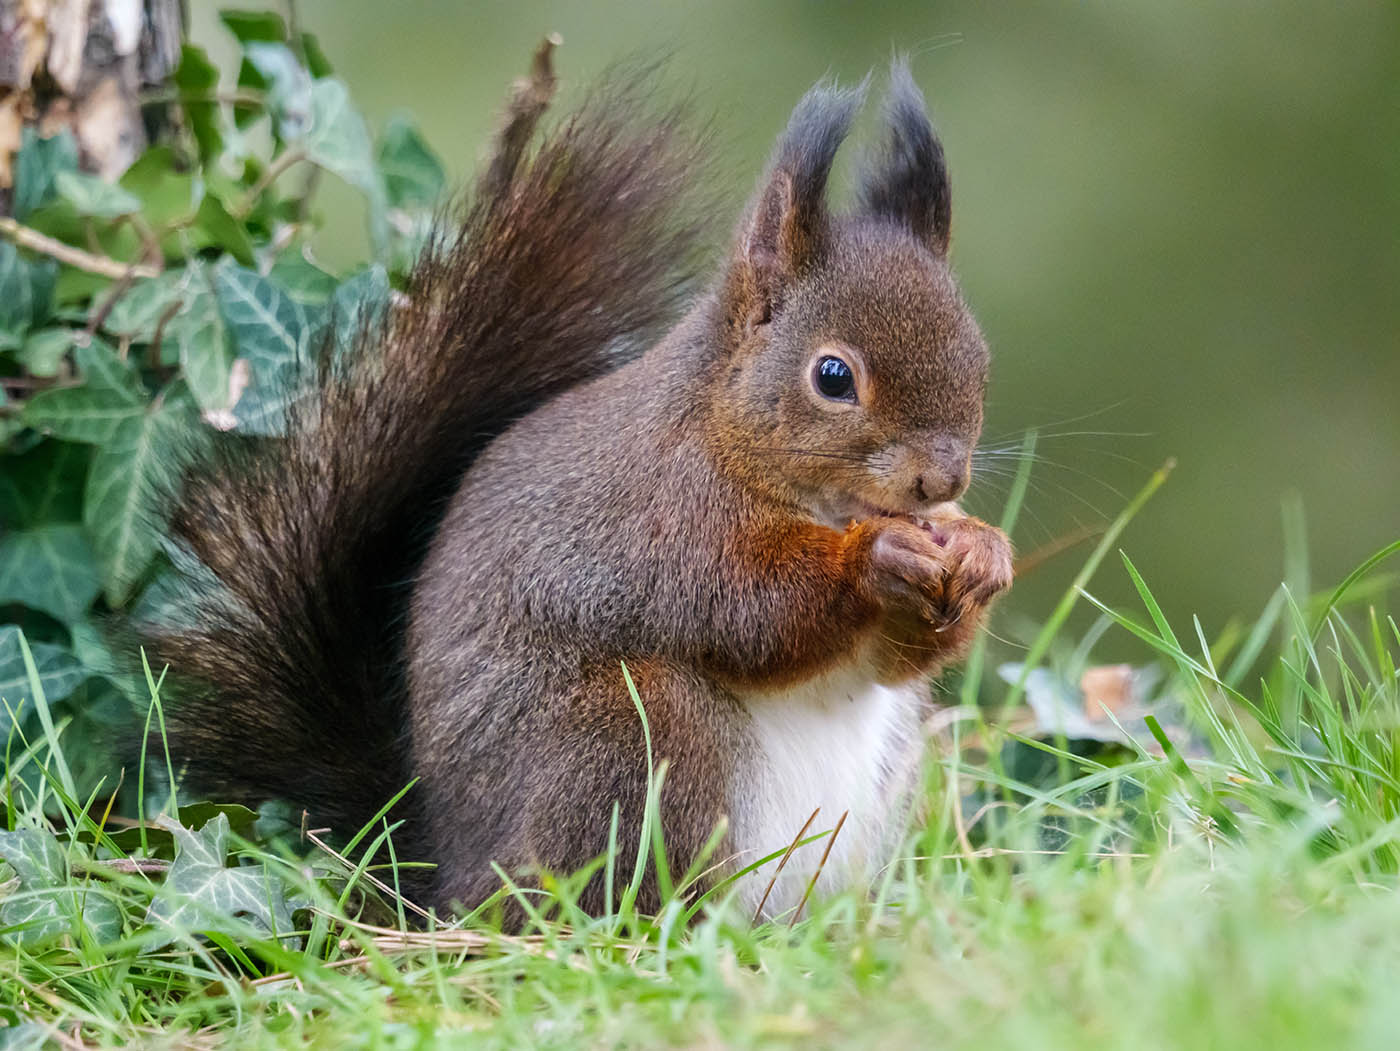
<point x="908" y="181"/>
<point x="784" y="231"/>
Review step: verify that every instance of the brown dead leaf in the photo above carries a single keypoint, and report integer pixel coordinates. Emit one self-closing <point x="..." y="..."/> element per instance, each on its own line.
<point x="1107" y="686"/>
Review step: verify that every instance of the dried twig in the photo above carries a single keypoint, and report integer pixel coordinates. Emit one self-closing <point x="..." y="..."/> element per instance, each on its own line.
<point x="758" y="912"/>
<point x="1035" y="559"/>
<point x="91" y="262"/>
<point x="314" y="838"/>
<point x="821" y="866"/>
<point x="127" y="866"/>
<point x="165" y="318"/>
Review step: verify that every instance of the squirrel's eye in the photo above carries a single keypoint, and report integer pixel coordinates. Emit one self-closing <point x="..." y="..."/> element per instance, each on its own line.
<point x="834" y="379"/>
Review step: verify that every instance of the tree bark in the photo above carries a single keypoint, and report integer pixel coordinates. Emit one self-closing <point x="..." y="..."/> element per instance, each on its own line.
<point x="82" y="65"/>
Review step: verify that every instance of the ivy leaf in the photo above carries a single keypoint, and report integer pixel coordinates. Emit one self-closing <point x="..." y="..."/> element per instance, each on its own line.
<point x="287" y="86"/>
<point x="121" y="506"/>
<point x="272" y="332"/>
<point x="96" y="411"/>
<point x="50" y="568"/>
<point x="26" y="292"/>
<point x="338" y="140"/>
<point x="60" y="672"/>
<point x="251" y="27"/>
<point x="25" y="1036"/>
<point x="202" y="894"/>
<point x="196" y="76"/>
<point x="413" y="175"/>
<point x="136" y="314"/>
<point x="215" y="227"/>
<point x="47" y="903"/>
<point x="37" y="164"/>
<point x="95" y="197"/>
<point x="202" y="343"/>
<point x="194" y="335"/>
<point x="43" y="351"/>
<point x="43" y="485"/>
<point x="303" y="280"/>
<point x="91" y="649"/>
<point x="247" y="26"/>
<point x="316" y="61"/>
<point x="102" y="368"/>
<point x="357" y="304"/>
<point x="167" y="194"/>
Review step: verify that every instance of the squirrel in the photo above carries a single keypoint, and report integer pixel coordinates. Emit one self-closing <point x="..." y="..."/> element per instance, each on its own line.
<point x="554" y="462"/>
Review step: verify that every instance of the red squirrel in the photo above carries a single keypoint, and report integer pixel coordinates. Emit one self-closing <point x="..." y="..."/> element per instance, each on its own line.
<point x="556" y="460"/>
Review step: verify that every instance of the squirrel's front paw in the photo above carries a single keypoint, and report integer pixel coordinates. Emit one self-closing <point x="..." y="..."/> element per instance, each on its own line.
<point x="937" y="574"/>
<point x="908" y="569"/>
<point x="979" y="565"/>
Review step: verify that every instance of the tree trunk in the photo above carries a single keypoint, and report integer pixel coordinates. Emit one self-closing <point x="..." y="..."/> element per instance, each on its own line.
<point x="82" y="65"/>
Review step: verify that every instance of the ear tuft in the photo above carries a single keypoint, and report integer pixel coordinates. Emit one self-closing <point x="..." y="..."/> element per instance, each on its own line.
<point x="785" y="229"/>
<point x="908" y="181"/>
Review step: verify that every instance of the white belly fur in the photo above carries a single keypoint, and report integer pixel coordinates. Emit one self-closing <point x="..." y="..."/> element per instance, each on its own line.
<point x="839" y="743"/>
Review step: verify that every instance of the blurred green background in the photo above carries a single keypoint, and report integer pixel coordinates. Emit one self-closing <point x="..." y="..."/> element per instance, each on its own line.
<point x="1179" y="224"/>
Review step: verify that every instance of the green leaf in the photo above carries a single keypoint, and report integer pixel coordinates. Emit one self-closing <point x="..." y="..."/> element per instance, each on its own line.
<point x="75" y="288"/>
<point x="248" y="26"/>
<point x="102" y="368"/>
<point x="316" y="61"/>
<point x="201" y="893"/>
<point x="121" y="505"/>
<point x="272" y="332"/>
<point x="43" y="352"/>
<point x="167" y="194"/>
<point x="197" y="76"/>
<point x="136" y="314"/>
<point x="215" y="227"/>
<point x="286" y="84"/>
<point x="357" y="303"/>
<point x="95" y="197"/>
<point x="37" y="164"/>
<point x="97" y="717"/>
<point x="303" y="280"/>
<point x="413" y="175"/>
<point x="241" y="820"/>
<point x="339" y="142"/>
<point x="25" y="1036"/>
<point x="202" y="343"/>
<point x="338" y="139"/>
<point x="50" y="568"/>
<point x="80" y="413"/>
<point x="48" y="904"/>
<point x="194" y="335"/>
<point x="26" y="293"/>
<point x="91" y="649"/>
<point x="60" y="672"/>
<point x="95" y="412"/>
<point x="43" y="485"/>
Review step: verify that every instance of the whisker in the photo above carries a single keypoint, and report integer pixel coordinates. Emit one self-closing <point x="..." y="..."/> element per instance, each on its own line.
<point x="1047" y="428"/>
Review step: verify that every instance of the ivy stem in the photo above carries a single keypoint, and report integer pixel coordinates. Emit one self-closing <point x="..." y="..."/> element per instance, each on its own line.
<point x="91" y="262"/>
<point x="284" y="161"/>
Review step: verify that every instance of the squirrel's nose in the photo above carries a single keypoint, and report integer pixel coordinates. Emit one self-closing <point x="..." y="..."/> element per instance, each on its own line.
<point x="945" y="475"/>
<point x="938" y="485"/>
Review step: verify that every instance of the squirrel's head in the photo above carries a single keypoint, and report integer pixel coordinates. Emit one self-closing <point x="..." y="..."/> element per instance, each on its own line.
<point x="853" y="370"/>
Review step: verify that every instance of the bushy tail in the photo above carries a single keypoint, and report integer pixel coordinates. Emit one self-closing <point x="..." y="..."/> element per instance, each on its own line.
<point x="284" y="662"/>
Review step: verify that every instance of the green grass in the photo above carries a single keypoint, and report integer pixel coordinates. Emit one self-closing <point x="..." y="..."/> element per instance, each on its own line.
<point x="1226" y="881"/>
